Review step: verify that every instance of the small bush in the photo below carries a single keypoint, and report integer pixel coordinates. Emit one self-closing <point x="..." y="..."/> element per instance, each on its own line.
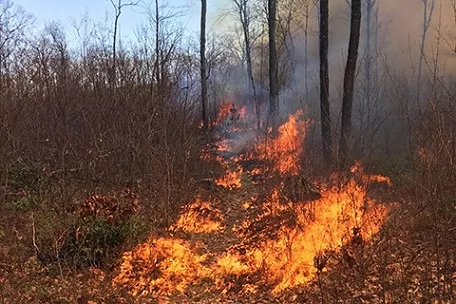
<point x="101" y="224"/>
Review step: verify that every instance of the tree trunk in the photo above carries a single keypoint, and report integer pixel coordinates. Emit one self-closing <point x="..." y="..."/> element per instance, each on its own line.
<point x="427" y="17"/>
<point x="324" y="82"/>
<point x="203" y="65"/>
<point x="349" y="83"/>
<point x="306" y="50"/>
<point x="369" y="10"/>
<point x="112" y="76"/>
<point x="273" y="66"/>
<point x="244" y="15"/>
<point x="366" y="108"/>
<point x="157" y="46"/>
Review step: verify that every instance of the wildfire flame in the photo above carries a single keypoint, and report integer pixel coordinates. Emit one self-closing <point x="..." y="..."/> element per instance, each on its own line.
<point x="231" y="179"/>
<point x="160" y="266"/>
<point x="286" y="256"/>
<point x="284" y="150"/>
<point x="327" y="225"/>
<point x="279" y="243"/>
<point x="199" y="217"/>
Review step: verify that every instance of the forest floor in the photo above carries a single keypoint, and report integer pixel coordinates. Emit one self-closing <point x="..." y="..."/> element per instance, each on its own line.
<point x="258" y="232"/>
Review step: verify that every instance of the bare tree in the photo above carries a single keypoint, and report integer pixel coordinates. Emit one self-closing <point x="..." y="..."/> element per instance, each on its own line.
<point x="349" y="82"/>
<point x="273" y="65"/>
<point x="157" y="42"/>
<point x="428" y="10"/>
<point x="369" y="14"/>
<point x="324" y="82"/>
<point x="243" y="8"/>
<point x="203" y="64"/>
<point x="370" y="74"/>
<point x="166" y="35"/>
<point x="308" y="8"/>
<point x="13" y="23"/>
<point x="118" y="11"/>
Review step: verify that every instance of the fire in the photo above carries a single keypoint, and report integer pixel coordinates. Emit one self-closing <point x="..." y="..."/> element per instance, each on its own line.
<point x="223" y="113"/>
<point x="359" y="170"/>
<point x="223" y="146"/>
<point x="284" y="150"/>
<point x="284" y="243"/>
<point x="243" y="112"/>
<point x="199" y="217"/>
<point x="160" y="266"/>
<point x="231" y="179"/>
<point x="267" y="241"/>
<point x="228" y="110"/>
<point x="290" y="254"/>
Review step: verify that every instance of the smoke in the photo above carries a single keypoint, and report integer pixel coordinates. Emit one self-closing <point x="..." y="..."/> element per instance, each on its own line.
<point x="399" y="31"/>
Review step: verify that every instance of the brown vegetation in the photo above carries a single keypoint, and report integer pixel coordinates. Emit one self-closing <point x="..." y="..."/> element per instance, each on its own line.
<point x="113" y="191"/>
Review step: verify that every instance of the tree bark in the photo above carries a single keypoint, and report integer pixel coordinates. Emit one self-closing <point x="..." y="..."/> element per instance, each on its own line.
<point x="324" y="82"/>
<point x="203" y="65"/>
<point x="306" y="49"/>
<point x="157" y="45"/>
<point x="427" y="17"/>
<point x="349" y="83"/>
<point x="273" y="66"/>
<point x="369" y="11"/>
<point x="245" y="18"/>
<point x="118" y="10"/>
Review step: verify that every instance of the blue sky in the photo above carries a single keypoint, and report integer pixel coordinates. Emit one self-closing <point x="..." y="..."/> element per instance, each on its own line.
<point x="63" y="10"/>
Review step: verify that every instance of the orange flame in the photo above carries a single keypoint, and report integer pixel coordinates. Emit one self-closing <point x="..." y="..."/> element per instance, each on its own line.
<point x="231" y="179"/>
<point x="282" y="244"/>
<point x="288" y="239"/>
<point x="199" y="217"/>
<point x="288" y="257"/>
<point x="285" y="150"/>
<point x="160" y="266"/>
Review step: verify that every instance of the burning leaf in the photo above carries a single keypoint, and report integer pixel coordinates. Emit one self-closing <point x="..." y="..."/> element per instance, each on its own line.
<point x="288" y="257"/>
<point x="231" y="179"/>
<point x="199" y="217"/>
<point x="284" y="150"/>
<point x="160" y="266"/>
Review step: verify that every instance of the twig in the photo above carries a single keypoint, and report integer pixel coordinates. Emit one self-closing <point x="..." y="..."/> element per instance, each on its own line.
<point x="37" y="250"/>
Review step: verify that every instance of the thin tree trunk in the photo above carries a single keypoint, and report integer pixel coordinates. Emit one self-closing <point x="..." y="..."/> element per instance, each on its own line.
<point x="369" y="10"/>
<point x="157" y="45"/>
<point x="245" y="21"/>
<point x="118" y="10"/>
<point x="366" y="110"/>
<point x="203" y="64"/>
<point x="349" y="83"/>
<point x="324" y="82"/>
<point x="375" y="59"/>
<point x="427" y="17"/>
<point x="306" y="51"/>
<point x="273" y="66"/>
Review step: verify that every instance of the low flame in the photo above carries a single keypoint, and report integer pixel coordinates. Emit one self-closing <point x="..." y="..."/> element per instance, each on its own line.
<point x="284" y="243"/>
<point x="199" y="217"/>
<point x="223" y="113"/>
<point x="326" y="225"/>
<point x="279" y="244"/>
<point x="160" y="266"/>
<point x="231" y="179"/>
<point x="284" y="150"/>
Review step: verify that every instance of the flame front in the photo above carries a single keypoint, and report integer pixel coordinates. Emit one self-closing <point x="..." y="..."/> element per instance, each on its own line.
<point x="263" y="242"/>
<point x="231" y="179"/>
<point x="285" y="150"/>
<point x="160" y="266"/>
<point x="321" y="226"/>
<point x="199" y="217"/>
